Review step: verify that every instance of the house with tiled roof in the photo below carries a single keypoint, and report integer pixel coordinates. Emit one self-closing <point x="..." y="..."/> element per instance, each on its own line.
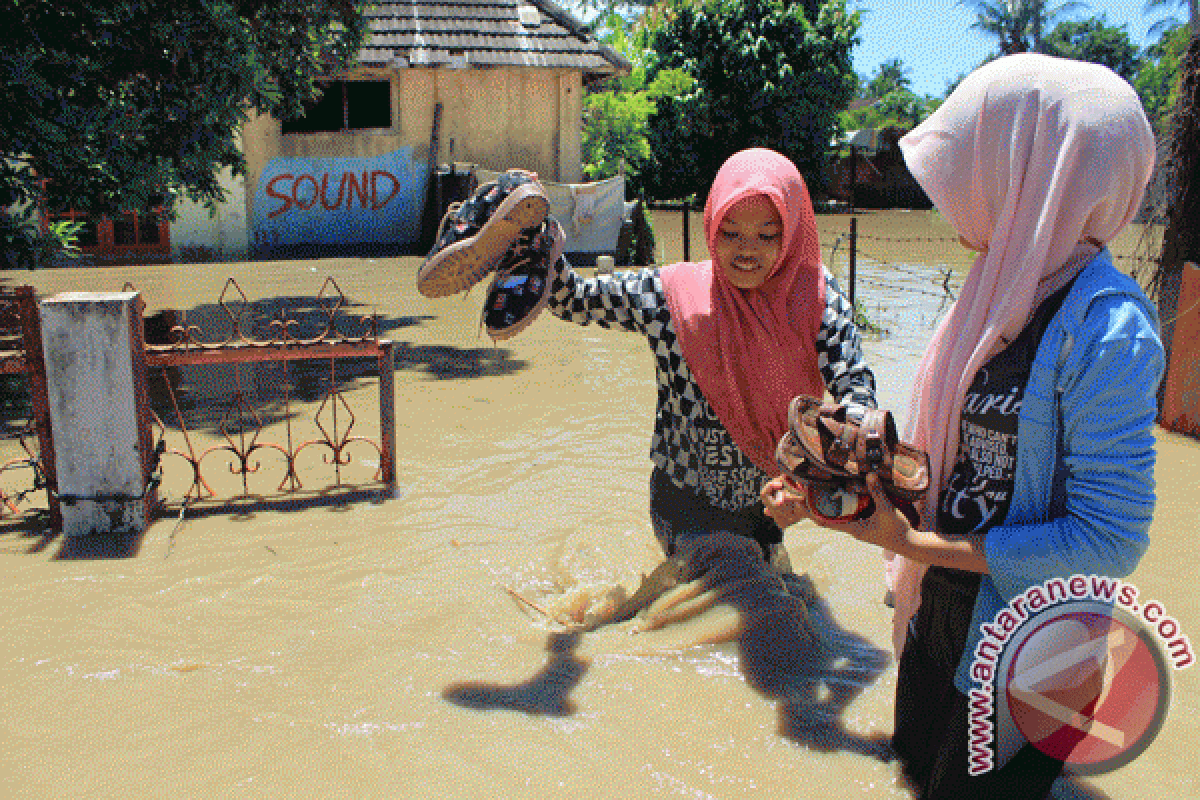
<point x="494" y="83"/>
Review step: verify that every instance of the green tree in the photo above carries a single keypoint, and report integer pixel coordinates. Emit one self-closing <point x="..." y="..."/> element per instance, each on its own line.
<point x="884" y="100"/>
<point x="614" y="132"/>
<point x="1170" y="21"/>
<point x="766" y="73"/>
<point x="1157" y="80"/>
<point x="1018" y="25"/>
<point x="1181" y="237"/>
<point x="1096" y="41"/>
<point x="111" y="105"/>
<point x="890" y="76"/>
<point x="615" y="112"/>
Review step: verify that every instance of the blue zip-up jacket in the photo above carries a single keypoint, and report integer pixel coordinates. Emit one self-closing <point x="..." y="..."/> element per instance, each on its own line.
<point x="1083" y="492"/>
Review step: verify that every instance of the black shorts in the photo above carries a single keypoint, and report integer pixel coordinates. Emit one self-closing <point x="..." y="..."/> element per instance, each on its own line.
<point x="932" y="719"/>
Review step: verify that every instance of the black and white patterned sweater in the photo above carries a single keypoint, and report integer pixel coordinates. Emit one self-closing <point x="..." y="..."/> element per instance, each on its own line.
<point x="689" y="443"/>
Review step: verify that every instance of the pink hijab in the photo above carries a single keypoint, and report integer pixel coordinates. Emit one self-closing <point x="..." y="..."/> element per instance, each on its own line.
<point x="1036" y="162"/>
<point x="752" y="351"/>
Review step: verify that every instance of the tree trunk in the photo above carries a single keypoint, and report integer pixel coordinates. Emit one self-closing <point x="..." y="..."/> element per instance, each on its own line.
<point x="1181" y="240"/>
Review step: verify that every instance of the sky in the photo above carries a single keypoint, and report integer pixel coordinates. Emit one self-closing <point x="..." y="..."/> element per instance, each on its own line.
<point x="935" y="41"/>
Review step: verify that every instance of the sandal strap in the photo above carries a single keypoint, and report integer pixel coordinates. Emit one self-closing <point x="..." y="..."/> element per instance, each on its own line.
<point x="842" y="444"/>
<point x="526" y="238"/>
<point x="876" y="441"/>
<point x="869" y="441"/>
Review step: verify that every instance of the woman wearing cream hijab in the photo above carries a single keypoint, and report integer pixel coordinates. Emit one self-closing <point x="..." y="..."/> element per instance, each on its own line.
<point x="1035" y="398"/>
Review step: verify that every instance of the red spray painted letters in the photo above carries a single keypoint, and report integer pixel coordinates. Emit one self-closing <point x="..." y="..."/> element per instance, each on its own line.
<point x="305" y="191"/>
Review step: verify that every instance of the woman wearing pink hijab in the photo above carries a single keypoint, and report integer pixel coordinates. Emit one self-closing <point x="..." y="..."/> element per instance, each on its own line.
<point x="734" y="339"/>
<point x="1035" y="400"/>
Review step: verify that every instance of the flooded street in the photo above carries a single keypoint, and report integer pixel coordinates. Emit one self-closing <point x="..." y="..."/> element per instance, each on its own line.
<point x="380" y="647"/>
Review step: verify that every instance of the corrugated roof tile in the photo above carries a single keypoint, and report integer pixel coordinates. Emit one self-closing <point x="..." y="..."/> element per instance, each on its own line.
<point x="489" y="32"/>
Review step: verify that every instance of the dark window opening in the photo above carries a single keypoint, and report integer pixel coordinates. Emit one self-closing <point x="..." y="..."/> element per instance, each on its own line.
<point x="346" y="105"/>
<point x="89" y="235"/>
<point x="136" y="229"/>
<point x="116" y="234"/>
<point x="120" y="234"/>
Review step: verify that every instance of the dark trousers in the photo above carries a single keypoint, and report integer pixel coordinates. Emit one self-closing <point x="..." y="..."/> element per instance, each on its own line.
<point x="680" y="514"/>
<point x="932" y="722"/>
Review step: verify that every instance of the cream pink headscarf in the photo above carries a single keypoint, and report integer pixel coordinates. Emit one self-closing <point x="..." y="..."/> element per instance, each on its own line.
<point x="1036" y="162"/>
<point x="753" y="350"/>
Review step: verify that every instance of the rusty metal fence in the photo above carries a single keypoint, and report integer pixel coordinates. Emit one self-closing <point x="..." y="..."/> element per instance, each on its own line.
<point x="217" y="447"/>
<point x="243" y="340"/>
<point x="29" y="474"/>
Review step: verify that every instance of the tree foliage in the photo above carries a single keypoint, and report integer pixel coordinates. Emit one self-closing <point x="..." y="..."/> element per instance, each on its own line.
<point x="117" y="104"/>
<point x="1157" y="82"/>
<point x="765" y="73"/>
<point x="1170" y="20"/>
<point x="1096" y="41"/>
<point x="615" y="112"/>
<point x="891" y="76"/>
<point x="1018" y="25"/>
<point x="884" y="100"/>
<point x="1181" y="238"/>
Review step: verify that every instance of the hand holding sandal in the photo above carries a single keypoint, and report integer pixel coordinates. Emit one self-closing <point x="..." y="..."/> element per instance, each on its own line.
<point x="831" y="449"/>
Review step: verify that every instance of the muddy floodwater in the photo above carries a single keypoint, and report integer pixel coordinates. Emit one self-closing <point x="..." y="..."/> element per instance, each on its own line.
<point x="406" y="646"/>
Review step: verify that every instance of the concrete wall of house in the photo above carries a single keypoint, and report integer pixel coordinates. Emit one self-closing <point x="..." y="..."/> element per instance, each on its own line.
<point x="570" y="130"/>
<point x="495" y="118"/>
<point x="200" y="235"/>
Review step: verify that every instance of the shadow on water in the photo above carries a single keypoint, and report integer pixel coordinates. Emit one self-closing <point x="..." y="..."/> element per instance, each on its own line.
<point x="99" y="545"/>
<point x="823" y="680"/>
<point x="206" y="394"/>
<point x="1072" y="787"/>
<point x="30" y="532"/>
<point x="790" y="646"/>
<point x="544" y="694"/>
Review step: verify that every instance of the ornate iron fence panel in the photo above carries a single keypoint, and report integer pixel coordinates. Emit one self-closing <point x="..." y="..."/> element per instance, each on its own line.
<point x="237" y="366"/>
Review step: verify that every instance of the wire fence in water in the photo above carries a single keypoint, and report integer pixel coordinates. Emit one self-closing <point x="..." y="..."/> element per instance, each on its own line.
<point x="913" y="252"/>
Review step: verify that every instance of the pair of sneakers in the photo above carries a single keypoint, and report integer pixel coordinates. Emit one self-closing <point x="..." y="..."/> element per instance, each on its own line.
<point x="503" y="228"/>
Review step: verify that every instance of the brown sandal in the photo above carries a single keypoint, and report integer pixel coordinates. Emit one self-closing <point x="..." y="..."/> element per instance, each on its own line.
<point x="825" y="493"/>
<point x="826" y="436"/>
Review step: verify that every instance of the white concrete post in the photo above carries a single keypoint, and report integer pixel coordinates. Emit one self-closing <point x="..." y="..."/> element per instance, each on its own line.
<point x="96" y="387"/>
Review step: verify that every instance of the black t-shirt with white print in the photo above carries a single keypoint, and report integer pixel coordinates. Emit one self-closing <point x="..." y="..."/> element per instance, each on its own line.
<point x="979" y="490"/>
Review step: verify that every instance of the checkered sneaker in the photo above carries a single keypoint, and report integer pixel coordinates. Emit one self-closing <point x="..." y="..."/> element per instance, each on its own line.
<point x="523" y="280"/>
<point x="474" y="235"/>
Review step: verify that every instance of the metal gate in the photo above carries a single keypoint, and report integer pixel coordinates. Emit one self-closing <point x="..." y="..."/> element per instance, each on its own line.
<point x="23" y="369"/>
<point x="231" y="340"/>
<point x="175" y="448"/>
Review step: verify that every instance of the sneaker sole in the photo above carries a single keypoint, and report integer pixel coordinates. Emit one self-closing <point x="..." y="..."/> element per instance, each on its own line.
<point x="500" y="334"/>
<point x="463" y="264"/>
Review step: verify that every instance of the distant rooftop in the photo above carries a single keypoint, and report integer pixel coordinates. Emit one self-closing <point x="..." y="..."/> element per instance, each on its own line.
<point x="485" y="33"/>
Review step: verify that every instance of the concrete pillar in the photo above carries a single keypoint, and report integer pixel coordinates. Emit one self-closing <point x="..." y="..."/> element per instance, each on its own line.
<point x="95" y="375"/>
